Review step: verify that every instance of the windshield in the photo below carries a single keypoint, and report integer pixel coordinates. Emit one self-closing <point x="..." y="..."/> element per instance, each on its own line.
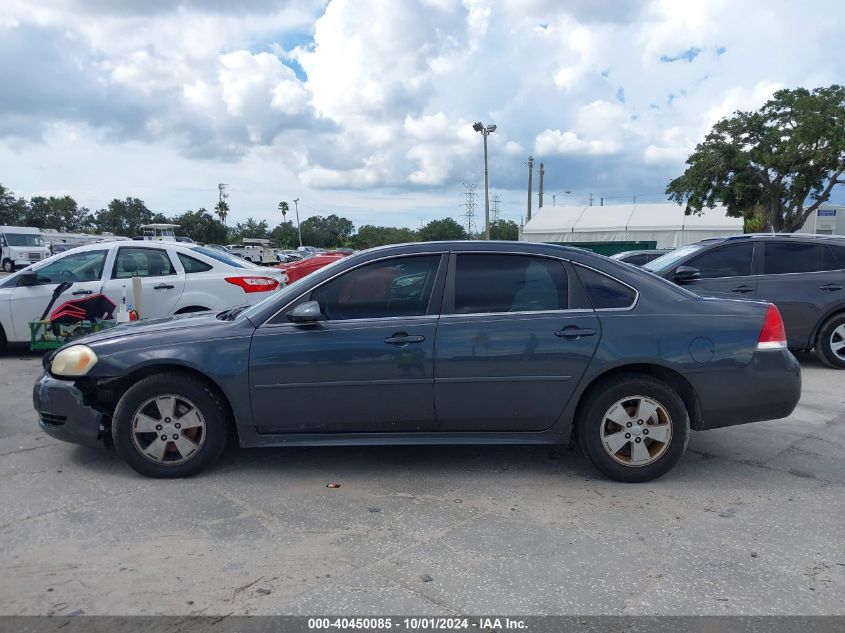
<point x="668" y="260"/>
<point x="24" y="239"/>
<point x="220" y="256"/>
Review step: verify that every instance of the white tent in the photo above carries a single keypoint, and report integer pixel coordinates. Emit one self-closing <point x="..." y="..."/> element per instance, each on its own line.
<point x="665" y="224"/>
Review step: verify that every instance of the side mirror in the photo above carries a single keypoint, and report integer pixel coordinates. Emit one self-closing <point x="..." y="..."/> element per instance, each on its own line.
<point x="28" y="278"/>
<point x="308" y="312"/>
<point x="685" y="274"/>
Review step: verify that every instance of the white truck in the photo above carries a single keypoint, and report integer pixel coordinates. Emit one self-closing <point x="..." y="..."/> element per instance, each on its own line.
<point x="21" y="246"/>
<point x="255" y="250"/>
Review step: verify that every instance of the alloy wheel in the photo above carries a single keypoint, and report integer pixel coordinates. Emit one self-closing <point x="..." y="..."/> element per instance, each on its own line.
<point x="168" y="429"/>
<point x="636" y="431"/>
<point x="837" y="342"/>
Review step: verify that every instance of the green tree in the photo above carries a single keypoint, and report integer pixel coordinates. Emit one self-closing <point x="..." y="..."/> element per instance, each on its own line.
<point x="249" y="229"/>
<point x="326" y="232"/>
<point x="504" y="230"/>
<point x="785" y="157"/>
<point x="369" y="236"/>
<point x="446" y="229"/>
<point x="201" y="226"/>
<point x="12" y="210"/>
<point x="284" y="208"/>
<point x="222" y="210"/>
<point x="285" y="235"/>
<point x="124" y="217"/>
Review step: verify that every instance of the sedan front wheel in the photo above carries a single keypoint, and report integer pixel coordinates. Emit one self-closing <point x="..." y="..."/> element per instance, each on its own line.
<point x="633" y="427"/>
<point x="169" y="425"/>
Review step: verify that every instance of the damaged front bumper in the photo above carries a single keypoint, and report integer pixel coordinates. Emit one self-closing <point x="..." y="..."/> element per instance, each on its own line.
<point x="63" y="414"/>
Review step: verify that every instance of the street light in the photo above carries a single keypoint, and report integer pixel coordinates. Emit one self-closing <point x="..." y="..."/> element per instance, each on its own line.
<point x="555" y="195"/>
<point x="485" y="132"/>
<point x="299" y="230"/>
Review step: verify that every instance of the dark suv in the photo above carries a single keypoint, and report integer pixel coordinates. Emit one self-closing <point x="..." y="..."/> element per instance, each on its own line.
<point x="803" y="274"/>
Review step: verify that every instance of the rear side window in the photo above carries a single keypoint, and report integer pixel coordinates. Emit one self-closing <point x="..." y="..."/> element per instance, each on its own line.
<point x="193" y="265"/>
<point x="142" y="262"/>
<point x="509" y="283"/>
<point x="838" y="254"/>
<point x="724" y="261"/>
<point x="798" y="257"/>
<point x="606" y="293"/>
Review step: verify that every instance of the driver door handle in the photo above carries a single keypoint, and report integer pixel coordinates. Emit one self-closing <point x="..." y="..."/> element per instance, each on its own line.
<point x="163" y="287"/>
<point x="575" y="332"/>
<point x="400" y="338"/>
<point x="830" y="287"/>
<point x="82" y="292"/>
<point x="743" y="289"/>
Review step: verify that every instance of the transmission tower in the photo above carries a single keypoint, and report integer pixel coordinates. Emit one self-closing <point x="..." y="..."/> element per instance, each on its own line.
<point x="469" y="206"/>
<point x="496" y="212"/>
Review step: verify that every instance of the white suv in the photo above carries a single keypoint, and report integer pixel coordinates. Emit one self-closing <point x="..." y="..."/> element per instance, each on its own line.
<point x="175" y="279"/>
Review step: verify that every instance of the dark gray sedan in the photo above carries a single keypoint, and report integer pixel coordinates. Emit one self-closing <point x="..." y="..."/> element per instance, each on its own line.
<point x="453" y="342"/>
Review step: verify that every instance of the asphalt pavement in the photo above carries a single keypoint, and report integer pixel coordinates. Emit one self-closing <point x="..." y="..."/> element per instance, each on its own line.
<point x="750" y="522"/>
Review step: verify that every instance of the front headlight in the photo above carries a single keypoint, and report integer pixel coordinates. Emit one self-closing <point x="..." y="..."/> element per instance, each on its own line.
<point x="76" y="360"/>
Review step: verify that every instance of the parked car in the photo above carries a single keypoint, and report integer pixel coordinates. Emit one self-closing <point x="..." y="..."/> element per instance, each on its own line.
<point x="641" y="257"/>
<point x="287" y="256"/>
<point x="802" y="274"/>
<point x="300" y="268"/>
<point x="21" y="246"/>
<point x="449" y="342"/>
<point x="175" y="279"/>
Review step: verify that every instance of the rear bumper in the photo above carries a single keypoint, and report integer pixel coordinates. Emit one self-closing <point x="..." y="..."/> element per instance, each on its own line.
<point x="62" y="413"/>
<point x="768" y="388"/>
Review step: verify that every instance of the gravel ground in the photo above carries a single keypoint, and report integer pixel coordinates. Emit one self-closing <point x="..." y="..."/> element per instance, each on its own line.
<point x="750" y="522"/>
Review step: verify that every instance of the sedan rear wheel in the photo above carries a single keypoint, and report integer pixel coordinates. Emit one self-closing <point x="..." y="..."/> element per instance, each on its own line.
<point x="633" y="427"/>
<point x="170" y="425"/>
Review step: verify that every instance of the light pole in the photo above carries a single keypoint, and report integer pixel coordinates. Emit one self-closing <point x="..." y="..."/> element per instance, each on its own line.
<point x="555" y="195"/>
<point x="298" y="230"/>
<point x="485" y="132"/>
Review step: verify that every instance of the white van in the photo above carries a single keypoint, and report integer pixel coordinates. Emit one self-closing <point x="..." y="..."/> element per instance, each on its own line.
<point x="21" y="246"/>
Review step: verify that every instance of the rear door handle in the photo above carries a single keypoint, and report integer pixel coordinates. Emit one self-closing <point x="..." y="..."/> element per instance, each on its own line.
<point x="830" y="287"/>
<point x="573" y="332"/>
<point x="83" y="292"/>
<point x="163" y="287"/>
<point x="400" y="338"/>
<point x="743" y="289"/>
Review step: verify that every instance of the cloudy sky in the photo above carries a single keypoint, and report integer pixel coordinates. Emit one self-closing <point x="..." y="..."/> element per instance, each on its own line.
<point x="365" y="108"/>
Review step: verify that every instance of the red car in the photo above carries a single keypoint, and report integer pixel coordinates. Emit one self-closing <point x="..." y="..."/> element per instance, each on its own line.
<point x="298" y="270"/>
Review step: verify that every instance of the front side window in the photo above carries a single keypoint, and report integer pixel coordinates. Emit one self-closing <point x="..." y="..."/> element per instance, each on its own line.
<point x="725" y="261"/>
<point x="509" y="283"/>
<point x="606" y="293"/>
<point x="142" y="262"/>
<point x="392" y="288"/>
<point x="86" y="266"/>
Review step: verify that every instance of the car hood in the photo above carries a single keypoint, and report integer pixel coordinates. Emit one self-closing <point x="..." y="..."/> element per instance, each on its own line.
<point x="192" y="321"/>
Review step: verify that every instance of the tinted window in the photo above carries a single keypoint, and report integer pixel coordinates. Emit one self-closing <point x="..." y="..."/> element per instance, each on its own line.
<point x="724" y="261"/>
<point x="87" y="266"/>
<point x="509" y="283"/>
<point x="605" y="292"/>
<point x="838" y="255"/>
<point x="226" y="257"/>
<point x="637" y="260"/>
<point x="142" y="262"/>
<point x="795" y="257"/>
<point x="391" y="288"/>
<point x="193" y="265"/>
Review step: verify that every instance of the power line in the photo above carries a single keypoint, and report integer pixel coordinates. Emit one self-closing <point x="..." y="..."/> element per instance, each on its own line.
<point x="497" y="212"/>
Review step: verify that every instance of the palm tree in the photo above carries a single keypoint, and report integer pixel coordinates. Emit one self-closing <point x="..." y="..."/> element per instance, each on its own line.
<point x="222" y="210"/>
<point x="284" y="208"/>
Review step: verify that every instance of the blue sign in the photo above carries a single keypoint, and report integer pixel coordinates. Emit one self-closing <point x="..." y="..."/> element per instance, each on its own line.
<point x="827" y="213"/>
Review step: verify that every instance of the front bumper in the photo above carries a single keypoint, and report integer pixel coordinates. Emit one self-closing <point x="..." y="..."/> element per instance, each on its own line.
<point x="63" y="414"/>
<point x="768" y="388"/>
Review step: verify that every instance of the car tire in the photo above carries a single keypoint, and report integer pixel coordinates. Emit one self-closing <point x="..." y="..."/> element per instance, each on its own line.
<point x="831" y="333"/>
<point x="8" y="266"/>
<point x="186" y="450"/>
<point x="622" y="398"/>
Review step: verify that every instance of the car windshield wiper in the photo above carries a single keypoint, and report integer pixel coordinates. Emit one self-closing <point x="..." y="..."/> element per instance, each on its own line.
<point x="231" y="313"/>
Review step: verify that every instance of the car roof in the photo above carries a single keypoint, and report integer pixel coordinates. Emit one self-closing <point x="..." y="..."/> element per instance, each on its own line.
<point x="774" y="236"/>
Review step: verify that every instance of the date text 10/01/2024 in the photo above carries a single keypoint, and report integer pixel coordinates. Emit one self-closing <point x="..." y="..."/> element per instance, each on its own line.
<point x="417" y="623"/>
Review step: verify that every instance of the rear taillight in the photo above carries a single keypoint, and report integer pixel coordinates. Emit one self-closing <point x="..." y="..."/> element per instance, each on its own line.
<point x="254" y="284"/>
<point x="772" y="336"/>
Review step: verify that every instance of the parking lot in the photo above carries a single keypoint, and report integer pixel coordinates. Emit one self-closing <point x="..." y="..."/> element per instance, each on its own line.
<point x="750" y="522"/>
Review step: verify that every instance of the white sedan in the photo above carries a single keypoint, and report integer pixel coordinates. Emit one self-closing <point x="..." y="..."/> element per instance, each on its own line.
<point x="175" y="279"/>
